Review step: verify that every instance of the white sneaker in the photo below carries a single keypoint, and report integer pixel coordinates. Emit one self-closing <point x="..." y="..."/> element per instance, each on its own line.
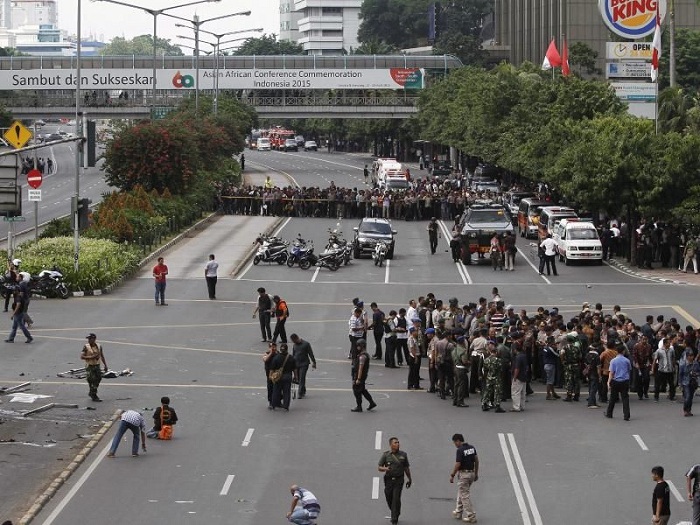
<point x="457" y="514"/>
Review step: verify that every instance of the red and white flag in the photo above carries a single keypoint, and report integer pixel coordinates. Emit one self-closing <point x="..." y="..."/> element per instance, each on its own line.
<point x="565" y="71"/>
<point x="552" y="58"/>
<point x="656" y="47"/>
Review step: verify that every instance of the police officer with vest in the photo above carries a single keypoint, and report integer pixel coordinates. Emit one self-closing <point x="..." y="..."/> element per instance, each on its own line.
<point x="466" y="469"/>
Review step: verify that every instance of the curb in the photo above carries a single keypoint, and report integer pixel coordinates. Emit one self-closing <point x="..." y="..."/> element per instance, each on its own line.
<point x="147" y="259"/>
<point x="630" y="271"/>
<point x="41" y="501"/>
<point x="251" y="251"/>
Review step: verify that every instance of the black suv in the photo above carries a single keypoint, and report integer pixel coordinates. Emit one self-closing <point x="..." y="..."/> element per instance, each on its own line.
<point x="368" y="233"/>
<point x="478" y="226"/>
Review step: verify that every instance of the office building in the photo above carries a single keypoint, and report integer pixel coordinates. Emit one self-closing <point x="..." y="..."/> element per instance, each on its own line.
<point x="322" y="27"/>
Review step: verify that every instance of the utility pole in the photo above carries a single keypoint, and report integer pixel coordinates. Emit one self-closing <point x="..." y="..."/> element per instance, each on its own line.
<point x="671" y="44"/>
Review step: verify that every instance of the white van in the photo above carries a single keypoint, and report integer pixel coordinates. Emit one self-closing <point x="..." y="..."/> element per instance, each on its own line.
<point x="577" y="240"/>
<point x="389" y="169"/>
<point x="263" y="144"/>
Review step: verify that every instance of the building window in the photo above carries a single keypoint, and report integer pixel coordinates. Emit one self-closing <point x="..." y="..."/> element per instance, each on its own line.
<point x="332" y="32"/>
<point x="332" y="10"/>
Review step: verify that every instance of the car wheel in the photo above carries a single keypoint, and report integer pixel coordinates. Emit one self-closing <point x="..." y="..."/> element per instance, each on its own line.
<point x="390" y="253"/>
<point x="567" y="261"/>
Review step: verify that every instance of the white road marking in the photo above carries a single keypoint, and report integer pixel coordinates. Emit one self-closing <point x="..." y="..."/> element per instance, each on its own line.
<point x="227" y="485"/>
<point x="638" y="439"/>
<point x="461" y="268"/>
<point x="313" y="277"/>
<point x="675" y="491"/>
<point x="514" y="480"/>
<point x="247" y="438"/>
<point x="386" y="272"/>
<point x="375" y="488"/>
<point x="525" y="481"/>
<point x="533" y="266"/>
<point x="74" y="490"/>
<point x="184" y="501"/>
<point x="378" y="440"/>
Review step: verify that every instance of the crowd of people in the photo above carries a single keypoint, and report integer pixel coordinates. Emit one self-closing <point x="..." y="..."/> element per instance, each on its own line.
<point x="488" y="348"/>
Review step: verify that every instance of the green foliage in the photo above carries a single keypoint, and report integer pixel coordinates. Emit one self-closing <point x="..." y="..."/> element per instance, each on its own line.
<point x="101" y="262"/>
<point x="57" y="228"/>
<point x="269" y="45"/>
<point x="582" y="59"/>
<point x="464" y="47"/>
<point x="141" y="46"/>
<point x="687" y="59"/>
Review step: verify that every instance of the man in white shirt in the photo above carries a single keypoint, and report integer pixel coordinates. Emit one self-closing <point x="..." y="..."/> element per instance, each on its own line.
<point x="210" y="275"/>
<point x="412" y="312"/>
<point x="549" y="247"/>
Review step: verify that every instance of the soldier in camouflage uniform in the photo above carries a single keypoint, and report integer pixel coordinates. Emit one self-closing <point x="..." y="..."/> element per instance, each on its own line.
<point x="571" y="358"/>
<point x="492" y="381"/>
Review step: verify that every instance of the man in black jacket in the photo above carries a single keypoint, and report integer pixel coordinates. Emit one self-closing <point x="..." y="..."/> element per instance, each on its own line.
<point x="282" y="389"/>
<point x="303" y="354"/>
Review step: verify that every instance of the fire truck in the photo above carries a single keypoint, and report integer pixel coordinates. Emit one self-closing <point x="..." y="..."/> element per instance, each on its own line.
<point x="278" y="136"/>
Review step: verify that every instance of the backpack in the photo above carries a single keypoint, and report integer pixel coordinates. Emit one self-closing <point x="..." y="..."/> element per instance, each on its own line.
<point x="286" y="307"/>
<point x="166" y="430"/>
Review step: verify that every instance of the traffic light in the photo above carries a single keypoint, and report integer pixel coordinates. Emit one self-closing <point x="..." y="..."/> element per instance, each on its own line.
<point x="91" y="135"/>
<point x="83" y="214"/>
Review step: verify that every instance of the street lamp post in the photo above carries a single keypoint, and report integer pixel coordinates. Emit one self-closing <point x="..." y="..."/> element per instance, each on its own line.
<point x="196" y="24"/>
<point x="154" y="13"/>
<point x="217" y="49"/>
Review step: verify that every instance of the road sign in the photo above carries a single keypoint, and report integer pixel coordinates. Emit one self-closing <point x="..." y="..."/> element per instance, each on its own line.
<point x="34" y="178"/>
<point x="628" y="69"/>
<point x="34" y="195"/>
<point x="17" y="134"/>
<point x="14" y="219"/>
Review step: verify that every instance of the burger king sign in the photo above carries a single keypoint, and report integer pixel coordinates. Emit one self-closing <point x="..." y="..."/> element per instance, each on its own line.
<point x="631" y="19"/>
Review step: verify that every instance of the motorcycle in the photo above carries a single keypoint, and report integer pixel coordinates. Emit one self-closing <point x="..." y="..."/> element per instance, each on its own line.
<point x="337" y="242"/>
<point x="379" y="253"/>
<point x="300" y="250"/>
<point x="271" y="249"/>
<point x="331" y="259"/>
<point x="49" y="283"/>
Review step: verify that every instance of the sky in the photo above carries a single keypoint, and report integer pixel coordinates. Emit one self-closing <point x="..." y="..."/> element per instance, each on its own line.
<point x="105" y="21"/>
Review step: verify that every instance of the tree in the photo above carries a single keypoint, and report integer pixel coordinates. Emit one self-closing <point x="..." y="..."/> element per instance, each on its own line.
<point x="374" y="47"/>
<point x="464" y="47"/>
<point x="687" y="59"/>
<point x="582" y="58"/>
<point x="269" y="45"/>
<point x="398" y="23"/>
<point x="141" y="46"/>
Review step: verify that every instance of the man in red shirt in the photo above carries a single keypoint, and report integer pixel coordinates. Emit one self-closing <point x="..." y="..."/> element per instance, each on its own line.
<point x="160" y="270"/>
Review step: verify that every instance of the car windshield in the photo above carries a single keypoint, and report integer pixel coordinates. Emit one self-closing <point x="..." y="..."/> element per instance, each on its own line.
<point x="588" y="234"/>
<point x="397" y="184"/>
<point x="376" y="227"/>
<point x="482" y="216"/>
<point x="535" y="212"/>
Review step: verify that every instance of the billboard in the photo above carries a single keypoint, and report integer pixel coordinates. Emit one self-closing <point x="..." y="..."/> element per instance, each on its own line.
<point x="93" y="79"/>
<point x="628" y="50"/>
<point x="628" y="69"/>
<point x="631" y="19"/>
<point x="635" y="91"/>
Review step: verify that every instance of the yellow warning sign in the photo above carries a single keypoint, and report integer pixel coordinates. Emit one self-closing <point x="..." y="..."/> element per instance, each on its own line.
<point x="17" y="134"/>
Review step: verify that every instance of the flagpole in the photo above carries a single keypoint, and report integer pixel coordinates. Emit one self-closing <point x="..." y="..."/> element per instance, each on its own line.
<point x="656" y="106"/>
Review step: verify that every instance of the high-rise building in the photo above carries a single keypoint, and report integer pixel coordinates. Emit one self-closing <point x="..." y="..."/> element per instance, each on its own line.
<point x="33" y="13"/>
<point x="525" y="27"/>
<point x="322" y="27"/>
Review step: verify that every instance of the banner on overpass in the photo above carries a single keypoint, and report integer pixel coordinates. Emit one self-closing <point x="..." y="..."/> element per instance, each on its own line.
<point x="93" y="79"/>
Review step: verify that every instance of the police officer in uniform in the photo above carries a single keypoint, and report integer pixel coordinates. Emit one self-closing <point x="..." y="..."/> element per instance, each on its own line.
<point x="360" y="371"/>
<point x="466" y="468"/>
<point x="394" y="464"/>
<point x="492" y="379"/>
<point x="460" y="358"/>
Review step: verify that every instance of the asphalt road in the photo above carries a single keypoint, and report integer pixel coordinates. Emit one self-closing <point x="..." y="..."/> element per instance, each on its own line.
<point x="58" y="187"/>
<point x="232" y="460"/>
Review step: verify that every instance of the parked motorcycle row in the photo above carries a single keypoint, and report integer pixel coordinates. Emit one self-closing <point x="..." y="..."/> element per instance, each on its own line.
<point x="47" y="283"/>
<point x="337" y="252"/>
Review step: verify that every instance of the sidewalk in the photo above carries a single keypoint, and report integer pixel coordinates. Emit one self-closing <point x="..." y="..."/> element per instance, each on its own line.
<point x="658" y="273"/>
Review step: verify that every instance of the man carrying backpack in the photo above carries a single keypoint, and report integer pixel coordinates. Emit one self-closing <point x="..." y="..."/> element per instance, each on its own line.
<point x="163" y="417"/>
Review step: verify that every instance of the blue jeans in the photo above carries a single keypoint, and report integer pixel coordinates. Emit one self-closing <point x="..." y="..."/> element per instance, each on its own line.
<point x="160" y="291"/>
<point x="123" y="427"/>
<point x="18" y="322"/>
<point x="302" y="516"/>
<point x="688" y="395"/>
<point x="592" y="390"/>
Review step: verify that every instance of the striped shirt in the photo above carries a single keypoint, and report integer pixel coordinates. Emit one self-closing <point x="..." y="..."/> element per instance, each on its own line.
<point x="134" y="418"/>
<point x="356" y="326"/>
<point x="308" y="501"/>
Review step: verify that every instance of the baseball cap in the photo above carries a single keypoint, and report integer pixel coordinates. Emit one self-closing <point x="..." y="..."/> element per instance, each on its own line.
<point x="460" y="338"/>
<point x="430" y="331"/>
<point x="16" y="262"/>
<point x="412" y="329"/>
<point x="90" y="336"/>
<point x="509" y="307"/>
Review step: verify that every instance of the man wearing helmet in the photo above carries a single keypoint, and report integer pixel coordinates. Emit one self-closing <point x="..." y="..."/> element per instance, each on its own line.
<point x="360" y="371"/>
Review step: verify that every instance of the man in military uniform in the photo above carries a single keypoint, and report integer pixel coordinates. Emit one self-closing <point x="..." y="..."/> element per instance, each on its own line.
<point x="394" y="464"/>
<point x="571" y="358"/>
<point x="360" y="371"/>
<point x="492" y="380"/>
<point x="460" y="358"/>
<point x="92" y="355"/>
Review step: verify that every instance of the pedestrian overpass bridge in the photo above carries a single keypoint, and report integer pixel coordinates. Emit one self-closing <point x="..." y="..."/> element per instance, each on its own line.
<point x="308" y="86"/>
